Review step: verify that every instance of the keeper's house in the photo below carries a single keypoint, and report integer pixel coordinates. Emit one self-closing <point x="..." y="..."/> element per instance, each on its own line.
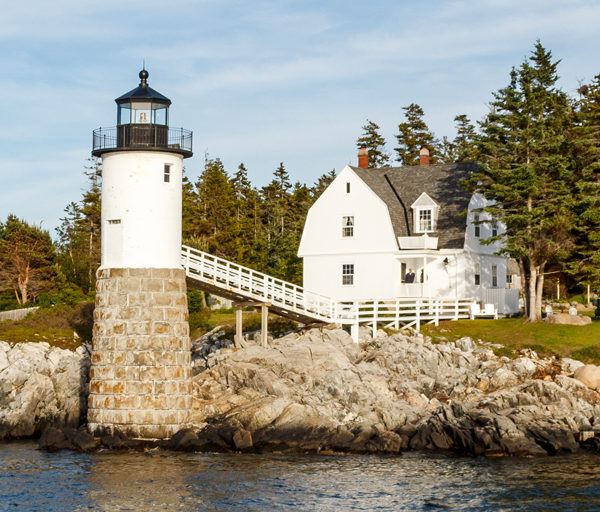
<point x="371" y="226"/>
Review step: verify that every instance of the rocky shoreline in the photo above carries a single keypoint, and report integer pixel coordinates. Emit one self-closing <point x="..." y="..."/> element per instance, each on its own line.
<point x="318" y="392"/>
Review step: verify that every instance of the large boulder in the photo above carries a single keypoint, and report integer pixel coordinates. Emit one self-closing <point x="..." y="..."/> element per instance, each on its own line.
<point x="589" y="374"/>
<point x="41" y="386"/>
<point x="567" y="319"/>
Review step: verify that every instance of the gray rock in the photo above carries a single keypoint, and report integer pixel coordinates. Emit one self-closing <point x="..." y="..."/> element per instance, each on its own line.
<point x="41" y="386"/>
<point x="466" y="344"/>
<point x="570" y="365"/>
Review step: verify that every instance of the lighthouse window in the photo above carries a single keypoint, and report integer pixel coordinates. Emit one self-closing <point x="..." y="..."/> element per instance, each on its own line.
<point x="114" y="221"/>
<point x="167" y="176"/>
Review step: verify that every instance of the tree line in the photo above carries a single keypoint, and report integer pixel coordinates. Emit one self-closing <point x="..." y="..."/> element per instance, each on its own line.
<point x="539" y="155"/>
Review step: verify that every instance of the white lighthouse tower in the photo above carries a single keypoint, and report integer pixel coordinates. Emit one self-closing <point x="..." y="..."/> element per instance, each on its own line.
<point x="140" y="380"/>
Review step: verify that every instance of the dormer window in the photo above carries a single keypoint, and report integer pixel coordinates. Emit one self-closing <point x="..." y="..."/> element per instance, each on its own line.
<point x="425" y="214"/>
<point x="425" y="220"/>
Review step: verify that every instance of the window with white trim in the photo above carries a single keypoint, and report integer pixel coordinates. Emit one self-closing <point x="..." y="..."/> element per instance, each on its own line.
<point x="494" y="276"/>
<point x="425" y="220"/>
<point x="348" y="273"/>
<point x="347" y="187"/>
<point x="348" y="226"/>
<point x="477" y="274"/>
<point x="167" y="174"/>
<point x="477" y="226"/>
<point x="494" y="228"/>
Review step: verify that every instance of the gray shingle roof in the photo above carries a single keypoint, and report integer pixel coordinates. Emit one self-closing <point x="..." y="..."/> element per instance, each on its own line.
<point x="399" y="188"/>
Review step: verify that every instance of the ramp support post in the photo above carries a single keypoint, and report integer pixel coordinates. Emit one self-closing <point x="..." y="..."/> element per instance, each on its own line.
<point x="264" y="320"/>
<point x="237" y="339"/>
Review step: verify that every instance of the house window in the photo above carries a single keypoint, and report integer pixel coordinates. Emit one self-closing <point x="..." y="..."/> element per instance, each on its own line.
<point x="348" y="273"/>
<point x="114" y="221"/>
<point x="425" y="220"/>
<point x="494" y="276"/>
<point x="347" y="187"/>
<point x="494" y="228"/>
<point x="167" y="175"/>
<point x="348" y="226"/>
<point x="477" y="227"/>
<point x="477" y="274"/>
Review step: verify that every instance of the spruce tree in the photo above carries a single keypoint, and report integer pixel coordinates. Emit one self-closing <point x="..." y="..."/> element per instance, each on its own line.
<point x="464" y="142"/>
<point x="375" y="144"/>
<point x="527" y="171"/>
<point x="79" y="233"/>
<point x="585" y="265"/>
<point x="414" y="134"/>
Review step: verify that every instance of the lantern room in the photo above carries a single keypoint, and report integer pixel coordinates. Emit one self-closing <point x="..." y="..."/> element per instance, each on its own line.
<point x="142" y="124"/>
<point x="143" y="105"/>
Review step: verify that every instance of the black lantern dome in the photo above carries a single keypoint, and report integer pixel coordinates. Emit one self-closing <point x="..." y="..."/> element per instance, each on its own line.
<point x="142" y="124"/>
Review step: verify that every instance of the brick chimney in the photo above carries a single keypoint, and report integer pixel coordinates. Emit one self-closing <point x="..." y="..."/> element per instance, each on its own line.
<point x="423" y="156"/>
<point x="363" y="158"/>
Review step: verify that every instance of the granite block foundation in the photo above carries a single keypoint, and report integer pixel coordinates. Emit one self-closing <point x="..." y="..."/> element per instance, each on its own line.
<point x="141" y="373"/>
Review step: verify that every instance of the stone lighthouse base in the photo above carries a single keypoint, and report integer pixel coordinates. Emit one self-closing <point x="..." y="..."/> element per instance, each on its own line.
<point x="141" y="373"/>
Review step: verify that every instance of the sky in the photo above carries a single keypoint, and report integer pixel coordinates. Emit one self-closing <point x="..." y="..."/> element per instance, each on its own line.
<point x="259" y="82"/>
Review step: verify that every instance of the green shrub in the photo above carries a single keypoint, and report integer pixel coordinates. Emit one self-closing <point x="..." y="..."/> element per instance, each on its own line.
<point x="199" y="320"/>
<point x="195" y="300"/>
<point x="70" y="295"/>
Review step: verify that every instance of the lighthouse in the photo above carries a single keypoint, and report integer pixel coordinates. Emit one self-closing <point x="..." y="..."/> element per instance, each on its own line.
<point x="141" y="373"/>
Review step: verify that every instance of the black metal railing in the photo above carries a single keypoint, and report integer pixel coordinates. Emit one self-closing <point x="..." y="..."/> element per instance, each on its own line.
<point x="142" y="136"/>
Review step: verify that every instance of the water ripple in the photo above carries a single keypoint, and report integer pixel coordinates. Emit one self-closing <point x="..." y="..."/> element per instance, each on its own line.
<point x="36" y="481"/>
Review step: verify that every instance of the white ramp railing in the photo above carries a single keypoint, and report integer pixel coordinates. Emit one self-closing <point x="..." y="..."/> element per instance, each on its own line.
<point x="256" y="286"/>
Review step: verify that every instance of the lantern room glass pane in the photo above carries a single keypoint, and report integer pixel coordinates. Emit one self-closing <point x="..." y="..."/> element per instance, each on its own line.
<point x="159" y="114"/>
<point x="124" y="113"/>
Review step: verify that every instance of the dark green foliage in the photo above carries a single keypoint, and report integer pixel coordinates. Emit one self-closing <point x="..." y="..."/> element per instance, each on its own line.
<point x="79" y="233"/>
<point x="414" y="134"/>
<point x="375" y="144"/>
<point x="464" y="142"/>
<point x="68" y="294"/>
<point x="585" y="265"/>
<point x="526" y="145"/>
<point x="26" y="260"/>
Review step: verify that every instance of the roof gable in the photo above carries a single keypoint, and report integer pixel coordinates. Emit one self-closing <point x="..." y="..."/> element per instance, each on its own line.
<point x="424" y="200"/>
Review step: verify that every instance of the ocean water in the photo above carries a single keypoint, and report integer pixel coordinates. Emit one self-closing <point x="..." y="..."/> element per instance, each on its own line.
<point x="32" y="480"/>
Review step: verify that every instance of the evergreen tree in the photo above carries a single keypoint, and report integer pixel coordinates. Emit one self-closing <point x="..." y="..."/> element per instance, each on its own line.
<point x="447" y="151"/>
<point x="216" y="209"/>
<point x="413" y="134"/>
<point x="79" y="233"/>
<point x="585" y="266"/>
<point x="464" y="142"/>
<point x="375" y="144"/>
<point x="321" y="184"/>
<point x="26" y="259"/>
<point x="527" y="171"/>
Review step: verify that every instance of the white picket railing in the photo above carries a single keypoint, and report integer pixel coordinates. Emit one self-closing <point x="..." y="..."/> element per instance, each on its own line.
<point x="256" y="286"/>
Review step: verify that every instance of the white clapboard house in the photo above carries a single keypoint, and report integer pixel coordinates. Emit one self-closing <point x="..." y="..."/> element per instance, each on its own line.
<point x="372" y="225"/>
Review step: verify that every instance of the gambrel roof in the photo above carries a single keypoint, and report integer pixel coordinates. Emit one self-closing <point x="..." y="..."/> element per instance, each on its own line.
<point x="400" y="187"/>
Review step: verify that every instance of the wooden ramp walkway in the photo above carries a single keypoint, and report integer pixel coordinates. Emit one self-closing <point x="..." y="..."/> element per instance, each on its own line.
<point x="243" y="285"/>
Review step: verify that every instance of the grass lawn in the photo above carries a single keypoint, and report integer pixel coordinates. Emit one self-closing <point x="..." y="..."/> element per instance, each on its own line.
<point x="579" y="342"/>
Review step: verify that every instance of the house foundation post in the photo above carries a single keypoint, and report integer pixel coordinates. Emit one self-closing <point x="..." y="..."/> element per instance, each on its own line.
<point x="264" y="320"/>
<point x="239" y="332"/>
